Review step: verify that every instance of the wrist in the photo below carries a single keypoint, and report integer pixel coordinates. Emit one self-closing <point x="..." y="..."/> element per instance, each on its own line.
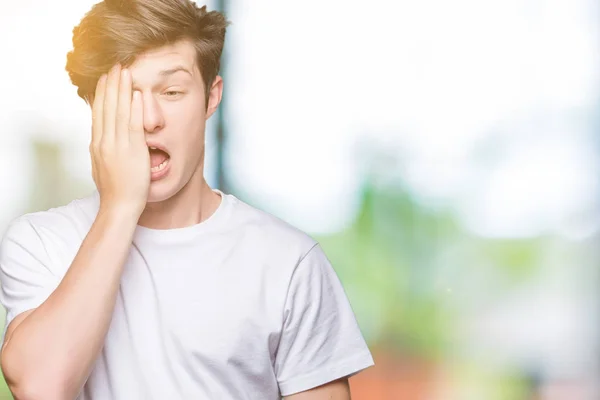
<point x="121" y="214"/>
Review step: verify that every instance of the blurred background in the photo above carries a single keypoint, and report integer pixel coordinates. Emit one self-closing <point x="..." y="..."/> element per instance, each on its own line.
<point x="445" y="154"/>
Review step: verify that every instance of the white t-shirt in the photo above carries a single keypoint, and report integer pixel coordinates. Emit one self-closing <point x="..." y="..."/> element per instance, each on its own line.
<point x="240" y="306"/>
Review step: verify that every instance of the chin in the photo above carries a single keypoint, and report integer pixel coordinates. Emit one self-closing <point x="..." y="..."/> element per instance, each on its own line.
<point x="162" y="190"/>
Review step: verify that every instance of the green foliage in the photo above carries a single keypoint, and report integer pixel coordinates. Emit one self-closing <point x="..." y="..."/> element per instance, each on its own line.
<point x="517" y="258"/>
<point x="390" y="260"/>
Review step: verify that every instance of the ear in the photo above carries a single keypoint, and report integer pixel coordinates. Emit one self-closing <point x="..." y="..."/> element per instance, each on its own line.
<point x="214" y="96"/>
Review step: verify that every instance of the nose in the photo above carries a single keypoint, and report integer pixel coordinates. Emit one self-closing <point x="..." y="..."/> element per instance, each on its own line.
<point x="154" y="119"/>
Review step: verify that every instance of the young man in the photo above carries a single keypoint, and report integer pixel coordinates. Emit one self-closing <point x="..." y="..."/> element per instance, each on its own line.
<point x="157" y="286"/>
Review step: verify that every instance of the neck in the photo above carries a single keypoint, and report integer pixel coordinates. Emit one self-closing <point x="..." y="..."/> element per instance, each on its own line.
<point x="194" y="203"/>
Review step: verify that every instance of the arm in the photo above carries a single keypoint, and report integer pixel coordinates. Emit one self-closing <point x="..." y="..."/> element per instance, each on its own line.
<point x="321" y="345"/>
<point x="49" y="351"/>
<point x="336" y="390"/>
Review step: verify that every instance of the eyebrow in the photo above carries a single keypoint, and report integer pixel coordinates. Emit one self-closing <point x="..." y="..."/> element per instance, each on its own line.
<point x="166" y="73"/>
<point x="174" y="70"/>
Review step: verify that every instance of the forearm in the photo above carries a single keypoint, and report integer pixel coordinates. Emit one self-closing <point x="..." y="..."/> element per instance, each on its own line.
<point x="54" y="348"/>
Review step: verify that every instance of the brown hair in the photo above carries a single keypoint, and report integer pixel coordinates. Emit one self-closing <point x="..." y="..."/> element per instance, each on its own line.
<point x="116" y="31"/>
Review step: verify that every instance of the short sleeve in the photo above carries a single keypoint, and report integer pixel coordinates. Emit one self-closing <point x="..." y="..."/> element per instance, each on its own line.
<point x="321" y="340"/>
<point x="26" y="279"/>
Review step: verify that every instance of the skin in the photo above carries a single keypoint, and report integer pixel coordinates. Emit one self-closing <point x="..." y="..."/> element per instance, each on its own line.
<point x="175" y="115"/>
<point x="336" y="390"/>
<point x="49" y="351"/>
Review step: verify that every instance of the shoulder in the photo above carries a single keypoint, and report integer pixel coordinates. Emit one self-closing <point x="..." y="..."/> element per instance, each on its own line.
<point x="51" y="231"/>
<point x="77" y="215"/>
<point x="266" y="229"/>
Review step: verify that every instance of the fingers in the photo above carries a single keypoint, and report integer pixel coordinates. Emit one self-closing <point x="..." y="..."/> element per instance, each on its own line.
<point x="124" y="106"/>
<point x="136" y="119"/>
<point x="97" y="110"/>
<point x="111" y="99"/>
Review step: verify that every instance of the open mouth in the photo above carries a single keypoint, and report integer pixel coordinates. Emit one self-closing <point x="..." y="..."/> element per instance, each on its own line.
<point x="158" y="159"/>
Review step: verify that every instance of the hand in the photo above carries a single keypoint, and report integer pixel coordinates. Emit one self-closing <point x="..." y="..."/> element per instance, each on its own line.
<point x="120" y="157"/>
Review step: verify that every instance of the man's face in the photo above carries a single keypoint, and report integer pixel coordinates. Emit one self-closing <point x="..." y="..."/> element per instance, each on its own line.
<point x="175" y="115"/>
